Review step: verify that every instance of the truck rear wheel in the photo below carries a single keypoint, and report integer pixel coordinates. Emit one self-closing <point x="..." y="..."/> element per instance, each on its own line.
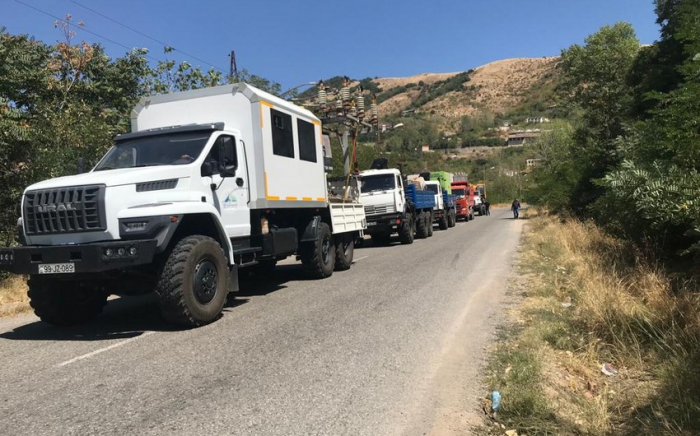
<point x="442" y="223"/>
<point x="193" y="284"/>
<point x="65" y="303"/>
<point x="344" y="252"/>
<point x="407" y="230"/>
<point x="318" y="257"/>
<point x="422" y="226"/>
<point x="429" y="223"/>
<point x="451" y="219"/>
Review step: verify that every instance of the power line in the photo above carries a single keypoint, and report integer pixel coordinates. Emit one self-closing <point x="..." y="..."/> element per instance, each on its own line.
<point x="83" y="29"/>
<point x="145" y="35"/>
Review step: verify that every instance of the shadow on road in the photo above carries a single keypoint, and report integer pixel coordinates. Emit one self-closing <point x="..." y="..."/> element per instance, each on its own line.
<point x="127" y="317"/>
<point x="122" y="318"/>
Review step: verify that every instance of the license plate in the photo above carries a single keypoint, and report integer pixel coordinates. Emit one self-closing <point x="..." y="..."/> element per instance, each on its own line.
<point x="57" y="268"/>
<point x="371" y="224"/>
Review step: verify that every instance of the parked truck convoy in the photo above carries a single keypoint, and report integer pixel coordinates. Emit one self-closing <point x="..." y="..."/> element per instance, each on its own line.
<point x="395" y="205"/>
<point x="209" y="181"/>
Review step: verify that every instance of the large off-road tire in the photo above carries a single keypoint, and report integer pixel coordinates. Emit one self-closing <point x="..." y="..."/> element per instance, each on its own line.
<point x="407" y="230"/>
<point x="65" y="303"/>
<point x="344" y="251"/>
<point x="318" y="257"/>
<point x="429" y="221"/>
<point x="451" y="219"/>
<point x="193" y="284"/>
<point x="422" y="225"/>
<point x="442" y="223"/>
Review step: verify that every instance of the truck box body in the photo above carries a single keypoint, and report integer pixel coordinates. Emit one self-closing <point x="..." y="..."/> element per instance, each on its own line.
<point x="283" y="140"/>
<point x="444" y="178"/>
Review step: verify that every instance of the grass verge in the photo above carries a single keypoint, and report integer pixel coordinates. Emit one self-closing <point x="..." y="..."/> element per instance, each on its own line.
<point x="13" y="295"/>
<point x="587" y="299"/>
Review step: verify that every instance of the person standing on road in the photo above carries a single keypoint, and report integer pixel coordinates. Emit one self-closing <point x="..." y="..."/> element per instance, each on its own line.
<point x="487" y="205"/>
<point x="515" y="207"/>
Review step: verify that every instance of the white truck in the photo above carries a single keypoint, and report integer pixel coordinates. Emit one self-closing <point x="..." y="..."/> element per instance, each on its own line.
<point x="444" y="214"/>
<point x="393" y="205"/>
<point x="208" y="181"/>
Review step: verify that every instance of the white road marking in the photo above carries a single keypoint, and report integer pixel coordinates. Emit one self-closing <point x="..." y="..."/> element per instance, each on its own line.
<point x="102" y="350"/>
<point x="360" y="258"/>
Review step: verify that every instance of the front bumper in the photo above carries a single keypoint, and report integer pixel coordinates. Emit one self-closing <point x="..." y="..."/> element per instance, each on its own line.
<point x="383" y="223"/>
<point x="86" y="258"/>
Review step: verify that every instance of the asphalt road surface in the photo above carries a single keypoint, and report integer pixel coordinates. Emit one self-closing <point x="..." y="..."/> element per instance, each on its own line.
<point x="391" y="347"/>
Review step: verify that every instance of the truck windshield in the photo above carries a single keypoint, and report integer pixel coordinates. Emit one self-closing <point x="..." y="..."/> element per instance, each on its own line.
<point x="383" y="182"/>
<point x="458" y="192"/>
<point x="433" y="188"/>
<point x="171" y="149"/>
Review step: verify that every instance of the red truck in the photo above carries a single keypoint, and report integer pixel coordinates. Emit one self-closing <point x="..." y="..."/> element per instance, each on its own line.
<point x="464" y="197"/>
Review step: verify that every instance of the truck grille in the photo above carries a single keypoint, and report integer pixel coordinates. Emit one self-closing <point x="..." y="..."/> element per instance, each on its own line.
<point x="74" y="209"/>
<point x="378" y="210"/>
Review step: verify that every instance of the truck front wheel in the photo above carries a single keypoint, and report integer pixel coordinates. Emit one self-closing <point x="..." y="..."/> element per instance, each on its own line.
<point x="318" y="257"/>
<point x="451" y="219"/>
<point x="192" y="287"/>
<point x="344" y="252"/>
<point x="65" y="303"/>
<point x="406" y="231"/>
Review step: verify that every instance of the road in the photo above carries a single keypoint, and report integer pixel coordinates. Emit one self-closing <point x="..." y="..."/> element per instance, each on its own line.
<point x="391" y="347"/>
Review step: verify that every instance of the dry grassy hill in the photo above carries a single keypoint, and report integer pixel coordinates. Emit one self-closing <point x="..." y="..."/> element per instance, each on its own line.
<point x="496" y="87"/>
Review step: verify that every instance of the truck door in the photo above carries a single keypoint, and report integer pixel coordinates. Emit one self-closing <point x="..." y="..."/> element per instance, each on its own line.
<point x="401" y="200"/>
<point x="231" y="198"/>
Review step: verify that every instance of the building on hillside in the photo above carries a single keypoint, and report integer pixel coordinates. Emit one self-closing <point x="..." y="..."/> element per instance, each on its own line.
<point x="425" y="148"/>
<point x="536" y="120"/>
<point x="521" y="137"/>
<point x="531" y="163"/>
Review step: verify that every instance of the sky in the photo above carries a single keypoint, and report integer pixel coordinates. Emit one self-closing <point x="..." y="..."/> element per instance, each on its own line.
<point x="298" y="41"/>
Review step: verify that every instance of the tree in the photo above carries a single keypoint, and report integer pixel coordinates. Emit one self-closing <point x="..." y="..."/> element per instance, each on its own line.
<point x="595" y="81"/>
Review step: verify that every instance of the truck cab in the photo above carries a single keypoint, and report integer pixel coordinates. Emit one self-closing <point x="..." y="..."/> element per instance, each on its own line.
<point x="444" y="214"/>
<point x="382" y="193"/>
<point x="435" y="187"/>
<point x="464" y="200"/>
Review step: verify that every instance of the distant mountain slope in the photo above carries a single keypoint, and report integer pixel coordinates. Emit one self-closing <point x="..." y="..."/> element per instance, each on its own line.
<point x="501" y="87"/>
<point x="497" y="87"/>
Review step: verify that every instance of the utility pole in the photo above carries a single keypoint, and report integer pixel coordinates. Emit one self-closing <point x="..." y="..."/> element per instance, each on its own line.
<point x="233" y="71"/>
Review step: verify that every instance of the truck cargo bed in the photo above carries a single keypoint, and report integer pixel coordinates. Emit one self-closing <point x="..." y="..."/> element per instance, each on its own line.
<point x="421" y="199"/>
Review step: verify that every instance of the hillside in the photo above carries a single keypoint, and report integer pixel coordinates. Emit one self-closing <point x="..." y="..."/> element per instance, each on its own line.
<point x="523" y="85"/>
